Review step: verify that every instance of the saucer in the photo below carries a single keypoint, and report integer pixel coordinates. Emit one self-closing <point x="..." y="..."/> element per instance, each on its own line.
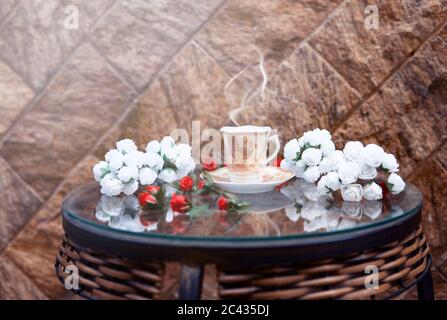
<point x="271" y="178"/>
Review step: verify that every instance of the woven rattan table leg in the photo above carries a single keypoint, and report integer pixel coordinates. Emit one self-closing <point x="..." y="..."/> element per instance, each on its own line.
<point x="425" y="286"/>
<point x="191" y="282"/>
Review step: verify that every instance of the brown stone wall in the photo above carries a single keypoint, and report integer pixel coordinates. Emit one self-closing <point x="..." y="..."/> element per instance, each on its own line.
<point x="139" y="69"/>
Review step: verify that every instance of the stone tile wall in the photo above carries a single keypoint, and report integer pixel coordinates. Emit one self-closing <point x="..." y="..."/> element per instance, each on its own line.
<point x="139" y="69"/>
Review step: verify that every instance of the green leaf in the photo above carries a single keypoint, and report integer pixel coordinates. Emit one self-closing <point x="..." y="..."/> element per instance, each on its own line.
<point x="104" y="171"/>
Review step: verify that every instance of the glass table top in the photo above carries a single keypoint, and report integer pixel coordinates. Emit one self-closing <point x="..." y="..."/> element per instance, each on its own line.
<point x="293" y="211"/>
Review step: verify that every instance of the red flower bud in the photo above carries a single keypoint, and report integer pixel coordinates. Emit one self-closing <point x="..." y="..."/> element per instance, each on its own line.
<point x="145" y="198"/>
<point x="209" y="165"/>
<point x="186" y="183"/>
<point x="222" y="203"/>
<point x="201" y="184"/>
<point x="152" y="189"/>
<point x="278" y="161"/>
<point x="179" y="203"/>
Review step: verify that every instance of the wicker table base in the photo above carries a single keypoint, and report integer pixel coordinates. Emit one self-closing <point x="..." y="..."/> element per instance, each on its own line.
<point x="400" y="266"/>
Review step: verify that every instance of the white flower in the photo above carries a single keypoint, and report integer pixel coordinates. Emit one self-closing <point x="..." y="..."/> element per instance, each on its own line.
<point x="153" y="146"/>
<point x="168" y="175"/>
<point x="126" y="146"/>
<point x="312" y="156"/>
<point x="311" y="174"/>
<point x="315" y="224"/>
<point x="183" y="149"/>
<point x="108" y="176"/>
<point x="395" y="183"/>
<point x="147" y="176"/>
<point x="100" y="170"/>
<point x="316" y="137"/>
<point x="333" y="181"/>
<point x="286" y="165"/>
<point x="348" y="172"/>
<point x="112" y="187"/>
<point x="352" y="209"/>
<point x="290" y="150"/>
<point x="299" y="168"/>
<point x="185" y="164"/>
<point x="372" y="191"/>
<point x="128" y="174"/>
<point x="373" y="155"/>
<point x="367" y="172"/>
<point x="130" y="187"/>
<point x="351" y="192"/>
<point x="389" y="163"/>
<point x="112" y="206"/>
<point x="102" y="216"/>
<point x="310" y="192"/>
<point x="321" y="186"/>
<point x="167" y="145"/>
<point x="353" y="150"/>
<point x="372" y="209"/>
<point x="115" y="159"/>
<point x="332" y="162"/>
<point x="153" y="160"/>
<point x="327" y="147"/>
<point x="134" y="159"/>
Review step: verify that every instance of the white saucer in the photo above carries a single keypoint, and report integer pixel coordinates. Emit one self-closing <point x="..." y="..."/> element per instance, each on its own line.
<point x="271" y="178"/>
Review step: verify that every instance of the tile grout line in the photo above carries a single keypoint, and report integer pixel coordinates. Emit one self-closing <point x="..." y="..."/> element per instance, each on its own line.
<point x="390" y="75"/>
<point x="40" y="92"/>
<point x="333" y="69"/>
<point x="16" y="175"/>
<point x="140" y="93"/>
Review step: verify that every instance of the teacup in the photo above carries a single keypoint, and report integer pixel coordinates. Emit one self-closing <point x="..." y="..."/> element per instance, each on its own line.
<point x="245" y="151"/>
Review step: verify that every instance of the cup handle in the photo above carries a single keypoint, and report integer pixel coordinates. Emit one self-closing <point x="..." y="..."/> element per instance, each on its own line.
<point x="275" y="139"/>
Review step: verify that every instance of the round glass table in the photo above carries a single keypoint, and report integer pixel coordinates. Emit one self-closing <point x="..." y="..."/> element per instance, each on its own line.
<point x="289" y="243"/>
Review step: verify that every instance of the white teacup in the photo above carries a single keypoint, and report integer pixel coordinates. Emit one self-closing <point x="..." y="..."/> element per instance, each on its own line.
<point x="245" y="151"/>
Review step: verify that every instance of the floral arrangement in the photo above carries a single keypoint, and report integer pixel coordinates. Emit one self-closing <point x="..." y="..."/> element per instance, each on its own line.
<point x="352" y="170"/>
<point x="126" y="168"/>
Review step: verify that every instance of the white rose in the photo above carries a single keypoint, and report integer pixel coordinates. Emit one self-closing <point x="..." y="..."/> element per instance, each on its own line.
<point x="310" y="192"/>
<point x="126" y="146"/>
<point x="167" y="144"/>
<point x="314" y="138"/>
<point x="367" y="172"/>
<point x="322" y="188"/>
<point x="299" y="168"/>
<point x="112" y="206"/>
<point x="353" y="150"/>
<point x="373" y="155"/>
<point x="290" y="150"/>
<point x="372" y="191"/>
<point x="153" y="146"/>
<point x="286" y="165"/>
<point x="153" y="160"/>
<point x="389" y="163"/>
<point x="325" y="134"/>
<point x="128" y="174"/>
<point x="332" y="162"/>
<point x="102" y="216"/>
<point x="100" y="170"/>
<point x="311" y="174"/>
<point x="108" y="176"/>
<point x="395" y="183"/>
<point x="115" y="159"/>
<point x="351" y="192"/>
<point x="168" y="175"/>
<point x="169" y="154"/>
<point x="130" y="187"/>
<point x="352" y="209"/>
<point x="348" y="172"/>
<point x="311" y="156"/>
<point x="183" y="149"/>
<point x="112" y="187"/>
<point x="327" y="147"/>
<point x="134" y="159"/>
<point x="333" y="181"/>
<point x="147" y="176"/>
<point x="184" y="161"/>
<point x="372" y="209"/>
